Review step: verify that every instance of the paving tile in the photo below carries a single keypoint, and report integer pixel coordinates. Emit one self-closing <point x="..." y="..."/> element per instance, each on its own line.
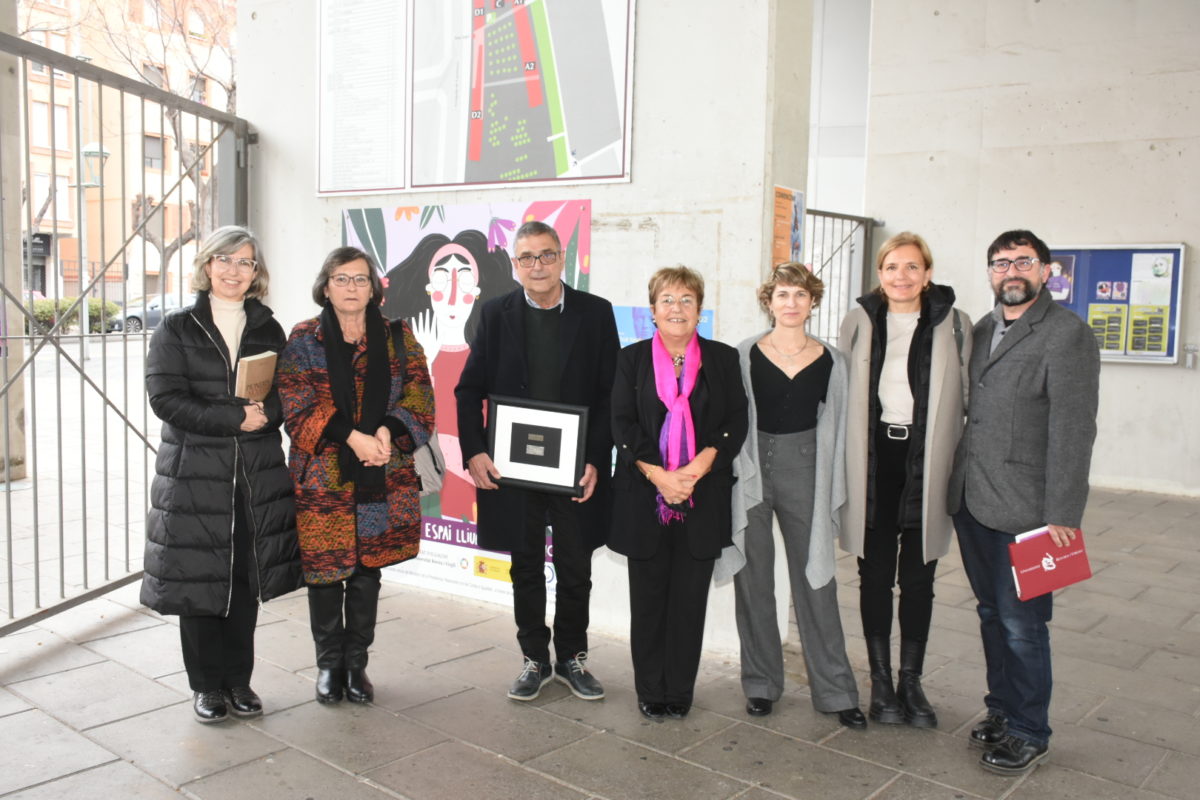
<point x="33" y="652"/>
<point x="1173" y="553"/>
<point x="908" y="787"/>
<point x="95" y="694"/>
<point x="932" y="755"/>
<point x="1172" y="598"/>
<point x="1116" y="587"/>
<point x="782" y="764"/>
<point x="1150" y="635"/>
<point x="451" y="769"/>
<point x="618" y="714"/>
<point x="11" y="704"/>
<point x="793" y="714"/>
<point x="1192" y="625"/>
<point x="278" y="688"/>
<point x="170" y="745"/>
<point x="1184" y="668"/>
<point x="1130" y="684"/>
<point x="439" y="609"/>
<point x="490" y="720"/>
<point x="394" y="641"/>
<point x="116" y="779"/>
<point x="286" y="774"/>
<point x="1079" y="618"/>
<point x="48" y="750"/>
<point x="1050" y="780"/>
<point x="1090" y="645"/>
<point x="400" y="685"/>
<point x="1157" y="726"/>
<point x="491" y="669"/>
<point x="153" y="652"/>
<point x="609" y="766"/>
<point x="1178" y="776"/>
<point x="1104" y="755"/>
<point x="1166" y="579"/>
<point x="1141" y="611"/>
<point x="355" y="737"/>
<point x="96" y="620"/>
<point x="286" y="644"/>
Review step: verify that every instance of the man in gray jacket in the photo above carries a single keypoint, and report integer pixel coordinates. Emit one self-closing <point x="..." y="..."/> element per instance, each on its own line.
<point x="1022" y="463"/>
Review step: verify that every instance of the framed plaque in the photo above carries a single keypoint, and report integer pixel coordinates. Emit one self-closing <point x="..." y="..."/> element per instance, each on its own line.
<point x="537" y="445"/>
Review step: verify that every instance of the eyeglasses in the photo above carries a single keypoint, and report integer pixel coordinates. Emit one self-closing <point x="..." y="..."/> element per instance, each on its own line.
<point x="1023" y="264"/>
<point x="240" y="264"/>
<point x="546" y="258"/>
<point x="687" y="301"/>
<point x="344" y="280"/>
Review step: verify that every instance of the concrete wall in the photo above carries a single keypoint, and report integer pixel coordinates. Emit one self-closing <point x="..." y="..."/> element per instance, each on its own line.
<point x="1079" y="120"/>
<point x="838" y="111"/>
<point x="719" y="114"/>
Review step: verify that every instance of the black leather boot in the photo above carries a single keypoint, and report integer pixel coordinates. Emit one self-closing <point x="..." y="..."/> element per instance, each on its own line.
<point x="362" y="607"/>
<point x="885" y="707"/>
<point x="917" y="711"/>
<point x="325" y="619"/>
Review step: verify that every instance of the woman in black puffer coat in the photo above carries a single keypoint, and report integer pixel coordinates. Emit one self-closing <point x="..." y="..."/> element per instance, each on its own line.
<point x="221" y="532"/>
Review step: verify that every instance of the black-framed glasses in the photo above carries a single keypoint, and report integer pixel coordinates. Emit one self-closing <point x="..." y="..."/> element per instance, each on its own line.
<point x="344" y="280"/>
<point x="547" y="258"/>
<point x="240" y="264"/>
<point x="1002" y="265"/>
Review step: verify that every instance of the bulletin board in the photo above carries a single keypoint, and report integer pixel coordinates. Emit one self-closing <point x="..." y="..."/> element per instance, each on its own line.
<point x="1129" y="295"/>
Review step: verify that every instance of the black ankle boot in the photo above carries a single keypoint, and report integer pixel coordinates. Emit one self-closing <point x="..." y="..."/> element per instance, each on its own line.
<point x="917" y="711"/>
<point x="885" y="707"/>
<point x="330" y="684"/>
<point x="359" y="688"/>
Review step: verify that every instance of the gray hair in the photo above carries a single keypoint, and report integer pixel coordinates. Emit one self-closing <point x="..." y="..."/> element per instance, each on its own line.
<point x="222" y="242"/>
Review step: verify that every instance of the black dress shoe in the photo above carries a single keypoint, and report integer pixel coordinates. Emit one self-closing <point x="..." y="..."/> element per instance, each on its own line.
<point x="990" y="732"/>
<point x="1013" y="756"/>
<point x="243" y="702"/>
<point x="678" y="710"/>
<point x="210" y="706"/>
<point x="652" y="710"/>
<point x="852" y="718"/>
<point x="758" y="706"/>
<point x="330" y="683"/>
<point x="359" y="688"/>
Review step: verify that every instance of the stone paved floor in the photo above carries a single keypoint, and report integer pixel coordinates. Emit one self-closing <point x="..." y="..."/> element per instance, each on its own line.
<point x="94" y="703"/>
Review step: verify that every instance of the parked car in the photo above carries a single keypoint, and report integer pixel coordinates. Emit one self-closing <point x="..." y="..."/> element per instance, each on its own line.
<point x="143" y="313"/>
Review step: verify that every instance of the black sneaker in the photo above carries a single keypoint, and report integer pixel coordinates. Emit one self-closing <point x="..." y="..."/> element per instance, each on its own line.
<point x="210" y="706"/>
<point x="529" y="683"/>
<point x="1013" y="756"/>
<point x="990" y="732"/>
<point x="243" y="702"/>
<point x="574" y="673"/>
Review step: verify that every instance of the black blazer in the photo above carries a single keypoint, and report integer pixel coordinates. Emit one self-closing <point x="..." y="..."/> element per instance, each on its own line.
<point x="588" y="347"/>
<point x="719" y="414"/>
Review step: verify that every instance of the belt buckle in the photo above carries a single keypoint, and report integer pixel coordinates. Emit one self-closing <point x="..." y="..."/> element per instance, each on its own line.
<point x="892" y="431"/>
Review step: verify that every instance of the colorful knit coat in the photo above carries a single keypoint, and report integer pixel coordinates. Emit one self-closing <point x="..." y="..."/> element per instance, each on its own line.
<point x="339" y="530"/>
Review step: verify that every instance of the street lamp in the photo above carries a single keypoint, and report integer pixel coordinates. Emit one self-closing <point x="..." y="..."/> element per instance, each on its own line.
<point x="93" y="156"/>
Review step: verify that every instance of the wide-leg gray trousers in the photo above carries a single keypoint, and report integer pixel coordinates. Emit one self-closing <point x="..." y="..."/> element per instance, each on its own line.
<point x="787" y="465"/>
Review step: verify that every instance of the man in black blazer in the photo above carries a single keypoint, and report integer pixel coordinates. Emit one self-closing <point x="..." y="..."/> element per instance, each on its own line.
<point x="1022" y="463"/>
<point x="544" y="341"/>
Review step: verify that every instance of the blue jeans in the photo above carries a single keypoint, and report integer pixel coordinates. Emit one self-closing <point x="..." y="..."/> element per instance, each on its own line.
<point x="1016" y="641"/>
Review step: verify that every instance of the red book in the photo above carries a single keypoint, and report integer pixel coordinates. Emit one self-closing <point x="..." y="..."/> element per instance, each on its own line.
<point x="1040" y="566"/>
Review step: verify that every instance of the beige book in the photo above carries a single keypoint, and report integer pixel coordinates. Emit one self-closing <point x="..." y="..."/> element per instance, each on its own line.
<point x="255" y="375"/>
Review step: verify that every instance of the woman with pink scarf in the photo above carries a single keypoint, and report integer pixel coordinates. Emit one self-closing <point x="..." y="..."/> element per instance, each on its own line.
<point x="679" y="419"/>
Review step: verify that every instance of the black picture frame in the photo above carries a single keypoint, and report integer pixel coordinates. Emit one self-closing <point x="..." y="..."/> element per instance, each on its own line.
<point x="536" y="444"/>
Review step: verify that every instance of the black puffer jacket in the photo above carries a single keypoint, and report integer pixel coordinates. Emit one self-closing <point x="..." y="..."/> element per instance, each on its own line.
<point x="189" y="531"/>
<point x="936" y="303"/>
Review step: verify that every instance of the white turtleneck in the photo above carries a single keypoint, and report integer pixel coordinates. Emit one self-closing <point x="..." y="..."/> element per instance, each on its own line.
<point x="230" y="319"/>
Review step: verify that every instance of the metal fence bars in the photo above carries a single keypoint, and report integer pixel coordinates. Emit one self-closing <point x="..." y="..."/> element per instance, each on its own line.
<point x="118" y="180"/>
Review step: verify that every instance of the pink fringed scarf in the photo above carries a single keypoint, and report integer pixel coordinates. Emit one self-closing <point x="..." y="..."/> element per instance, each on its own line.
<point x="677" y="439"/>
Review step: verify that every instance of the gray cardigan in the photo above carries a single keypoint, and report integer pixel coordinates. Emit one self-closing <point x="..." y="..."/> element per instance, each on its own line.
<point x="830" y="488"/>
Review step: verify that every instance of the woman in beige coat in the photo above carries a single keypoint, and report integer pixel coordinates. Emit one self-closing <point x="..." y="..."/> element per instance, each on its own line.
<point x="906" y="345"/>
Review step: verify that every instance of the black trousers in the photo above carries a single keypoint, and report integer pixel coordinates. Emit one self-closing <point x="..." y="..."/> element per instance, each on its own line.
<point x="572" y="560"/>
<point x="218" y="652"/>
<point x="890" y="550"/>
<point x="668" y="597"/>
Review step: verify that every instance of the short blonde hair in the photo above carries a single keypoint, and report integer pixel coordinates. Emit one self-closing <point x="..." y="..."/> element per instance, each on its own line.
<point x="222" y="242"/>
<point x="790" y="273"/>
<point x="677" y="275"/>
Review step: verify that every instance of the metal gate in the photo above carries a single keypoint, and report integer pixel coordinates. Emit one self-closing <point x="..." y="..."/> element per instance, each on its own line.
<point x="117" y="180"/>
<point x="837" y="247"/>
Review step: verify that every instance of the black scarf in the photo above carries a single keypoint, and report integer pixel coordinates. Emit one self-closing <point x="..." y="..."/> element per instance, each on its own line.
<point x="342" y="383"/>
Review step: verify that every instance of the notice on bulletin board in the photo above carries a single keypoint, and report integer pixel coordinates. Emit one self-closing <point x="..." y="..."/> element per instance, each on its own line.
<point x="788" y="234"/>
<point x="1129" y="295"/>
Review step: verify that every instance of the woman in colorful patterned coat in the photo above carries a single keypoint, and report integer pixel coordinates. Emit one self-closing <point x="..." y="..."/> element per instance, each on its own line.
<point x="357" y="402"/>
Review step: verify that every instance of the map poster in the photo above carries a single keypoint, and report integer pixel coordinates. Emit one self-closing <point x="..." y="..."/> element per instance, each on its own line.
<point x="440" y="263"/>
<point x="788" y="234"/>
<point x="423" y="94"/>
